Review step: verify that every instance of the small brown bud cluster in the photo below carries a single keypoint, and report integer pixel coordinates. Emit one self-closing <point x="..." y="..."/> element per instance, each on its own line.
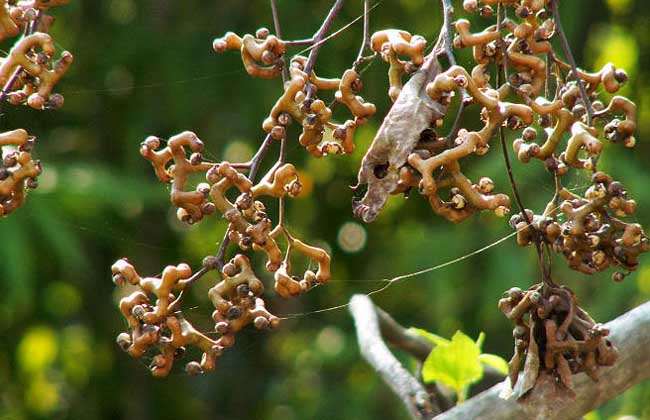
<point x="299" y="102"/>
<point x="18" y="169"/>
<point x="237" y="301"/>
<point x="162" y="332"/>
<point x="29" y="71"/>
<point x="554" y="335"/>
<point x="437" y="171"/>
<point x="591" y="237"/>
<point x="160" y="329"/>
<point x="40" y="74"/>
<point x="433" y="164"/>
<point x="393" y="45"/>
<point x="17" y="15"/>
<point x="250" y="225"/>
<point x="523" y="49"/>
<point x="262" y="54"/>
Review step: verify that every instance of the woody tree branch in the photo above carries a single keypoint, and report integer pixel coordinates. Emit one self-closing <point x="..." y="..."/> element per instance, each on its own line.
<point x="388" y="332"/>
<point x="630" y="333"/>
<point x="411" y="391"/>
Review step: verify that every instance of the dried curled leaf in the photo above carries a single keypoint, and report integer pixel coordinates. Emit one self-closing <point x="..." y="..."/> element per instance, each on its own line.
<point x="412" y="113"/>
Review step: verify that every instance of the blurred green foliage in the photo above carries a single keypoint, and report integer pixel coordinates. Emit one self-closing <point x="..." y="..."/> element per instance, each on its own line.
<point x="146" y="67"/>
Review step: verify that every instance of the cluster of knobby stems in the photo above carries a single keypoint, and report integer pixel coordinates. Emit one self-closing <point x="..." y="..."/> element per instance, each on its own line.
<point x="407" y="154"/>
<point x="590" y="237"/>
<point x="263" y="55"/>
<point x="553" y="333"/>
<point x="516" y="69"/>
<point x="157" y="327"/>
<point x="28" y="75"/>
<point x="237" y="297"/>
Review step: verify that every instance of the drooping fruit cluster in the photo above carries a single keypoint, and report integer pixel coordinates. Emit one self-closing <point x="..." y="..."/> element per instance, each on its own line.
<point x="553" y="334"/>
<point x="591" y="237"/>
<point x="161" y="330"/>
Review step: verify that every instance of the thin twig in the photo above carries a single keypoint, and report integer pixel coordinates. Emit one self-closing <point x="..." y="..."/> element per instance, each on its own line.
<point x="189" y="282"/>
<point x="547" y="82"/>
<point x="298" y="42"/>
<point x="451" y="137"/>
<point x="501" y="16"/>
<point x="256" y="161"/>
<point x="338" y="32"/>
<point x="281" y="159"/>
<point x="522" y="209"/>
<point x="365" y="42"/>
<point x="221" y="252"/>
<point x="278" y="33"/>
<point x="569" y="56"/>
<point x="506" y="158"/>
<point x="318" y="37"/>
<point x="504" y="148"/>
<point x="444" y="45"/>
<point x="276" y="19"/>
<point x="445" y="34"/>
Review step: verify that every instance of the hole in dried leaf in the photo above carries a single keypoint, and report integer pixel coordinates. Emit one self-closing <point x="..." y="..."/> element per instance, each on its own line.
<point x="381" y="171"/>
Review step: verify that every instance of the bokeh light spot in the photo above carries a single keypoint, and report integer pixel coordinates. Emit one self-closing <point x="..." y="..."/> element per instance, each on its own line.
<point x="619" y="7"/>
<point x="352" y="237"/>
<point x="42" y="396"/>
<point x="238" y="151"/>
<point x="77" y="355"/>
<point x="643" y="281"/>
<point x="330" y="341"/>
<point x="122" y="11"/>
<point x="37" y="349"/>
<point x="62" y="299"/>
<point x="120" y="81"/>
<point x="612" y="43"/>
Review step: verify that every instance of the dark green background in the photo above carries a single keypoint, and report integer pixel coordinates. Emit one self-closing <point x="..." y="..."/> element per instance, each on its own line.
<point x="146" y="67"/>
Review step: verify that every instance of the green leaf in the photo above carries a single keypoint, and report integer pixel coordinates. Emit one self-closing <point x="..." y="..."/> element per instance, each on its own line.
<point x="497" y="362"/>
<point x="435" y="339"/>
<point x="455" y="364"/>
<point x="480" y="340"/>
